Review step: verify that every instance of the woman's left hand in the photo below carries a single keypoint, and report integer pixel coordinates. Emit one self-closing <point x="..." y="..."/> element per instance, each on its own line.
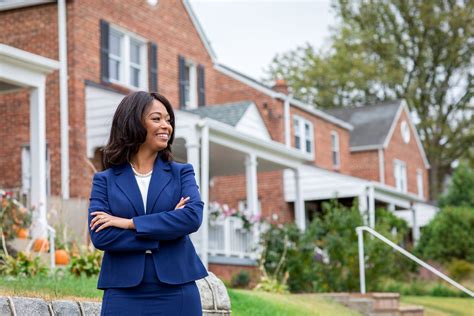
<point x="103" y="220"/>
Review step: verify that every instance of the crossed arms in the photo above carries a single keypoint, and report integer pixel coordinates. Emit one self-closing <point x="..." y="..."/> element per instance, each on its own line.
<point x="112" y="233"/>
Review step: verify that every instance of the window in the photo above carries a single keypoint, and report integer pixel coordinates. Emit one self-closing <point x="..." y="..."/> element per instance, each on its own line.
<point x="191" y="84"/>
<point x="419" y="182"/>
<point x="335" y="149"/>
<point x="400" y="175"/>
<point x="303" y="133"/>
<point x="127" y="59"/>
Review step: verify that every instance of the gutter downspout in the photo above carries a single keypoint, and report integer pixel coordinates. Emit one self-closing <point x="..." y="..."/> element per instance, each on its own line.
<point x="63" y="98"/>
<point x="286" y="112"/>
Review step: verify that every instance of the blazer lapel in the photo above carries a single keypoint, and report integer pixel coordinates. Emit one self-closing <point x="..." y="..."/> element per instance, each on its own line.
<point x="128" y="184"/>
<point x="160" y="177"/>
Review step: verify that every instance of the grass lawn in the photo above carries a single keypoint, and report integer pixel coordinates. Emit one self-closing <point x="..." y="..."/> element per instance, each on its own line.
<point x="442" y="306"/>
<point x="53" y="287"/>
<point x="246" y="302"/>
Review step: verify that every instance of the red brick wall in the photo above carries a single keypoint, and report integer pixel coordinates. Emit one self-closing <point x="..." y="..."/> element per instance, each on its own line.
<point x="33" y="29"/>
<point x="410" y="154"/>
<point x="231" y="189"/>
<point x="225" y="272"/>
<point x="365" y="164"/>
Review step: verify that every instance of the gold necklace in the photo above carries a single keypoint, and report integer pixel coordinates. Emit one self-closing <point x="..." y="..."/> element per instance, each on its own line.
<point x="142" y="175"/>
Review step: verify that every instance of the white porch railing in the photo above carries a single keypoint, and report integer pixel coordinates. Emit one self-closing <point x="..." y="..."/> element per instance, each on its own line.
<point x="360" y="232"/>
<point x="227" y="237"/>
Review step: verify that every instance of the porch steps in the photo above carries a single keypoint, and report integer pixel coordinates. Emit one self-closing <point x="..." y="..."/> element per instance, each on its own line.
<point x="376" y="304"/>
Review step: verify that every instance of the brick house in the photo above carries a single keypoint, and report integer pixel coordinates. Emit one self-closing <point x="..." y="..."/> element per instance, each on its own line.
<point x="65" y="66"/>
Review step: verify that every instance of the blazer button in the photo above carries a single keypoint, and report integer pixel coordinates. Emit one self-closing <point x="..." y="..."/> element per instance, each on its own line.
<point x="148" y="251"/>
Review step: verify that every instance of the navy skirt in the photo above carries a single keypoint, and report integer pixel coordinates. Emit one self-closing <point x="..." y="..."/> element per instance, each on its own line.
<point x="153" y="297"/>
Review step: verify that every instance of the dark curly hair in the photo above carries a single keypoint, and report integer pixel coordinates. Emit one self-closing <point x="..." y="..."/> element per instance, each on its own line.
<point x="128" y="133"/>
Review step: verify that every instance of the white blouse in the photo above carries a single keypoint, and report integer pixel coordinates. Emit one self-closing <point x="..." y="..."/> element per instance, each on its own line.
<point x="143" y="184"/>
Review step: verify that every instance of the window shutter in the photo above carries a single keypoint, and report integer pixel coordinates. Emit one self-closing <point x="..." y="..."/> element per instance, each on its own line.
<point x="153" y="67"/>
<point x="181" y="81"/>
<point x="104" y="50"/>
<point x="201" y="86"/>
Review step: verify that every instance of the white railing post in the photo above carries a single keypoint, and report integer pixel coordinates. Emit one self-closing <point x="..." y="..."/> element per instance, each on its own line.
<point x="360" y="237"/>
<point x="52" y="249"/>
<point x="227" y="233"/>
<point x="360" y="229"/>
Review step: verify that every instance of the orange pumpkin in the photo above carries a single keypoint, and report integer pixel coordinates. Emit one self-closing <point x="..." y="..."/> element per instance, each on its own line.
<point x="61" y="257"/>
<point x="22" y="233"/>
<point x="41" y="245"/>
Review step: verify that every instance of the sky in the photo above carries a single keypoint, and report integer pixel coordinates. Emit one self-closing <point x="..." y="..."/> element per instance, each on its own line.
<point x="247" y="34"/>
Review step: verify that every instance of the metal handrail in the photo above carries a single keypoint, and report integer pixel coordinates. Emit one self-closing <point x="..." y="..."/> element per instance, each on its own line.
<point x="360" y="231"/>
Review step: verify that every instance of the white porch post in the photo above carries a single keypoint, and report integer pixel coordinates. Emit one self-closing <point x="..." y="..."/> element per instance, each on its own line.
<point x="251" y="180"/>
<point x="205" y="194"/>
<point x="371" y="206"/>
<point x="363" y="206"/>
<point x="300" y="214"/>
<point x="38" y="158"/>
<point x="252" y="189"/>
<point x="415" y="227"/>
<point x="192" y="151"/>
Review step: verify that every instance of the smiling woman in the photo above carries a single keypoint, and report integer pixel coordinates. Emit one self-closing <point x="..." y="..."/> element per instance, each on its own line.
<point x="142" y="209"/>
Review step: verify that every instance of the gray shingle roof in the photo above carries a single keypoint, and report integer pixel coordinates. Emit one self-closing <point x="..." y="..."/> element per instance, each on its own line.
<point x="371" y="123"/>
<point x="228" y="113"/>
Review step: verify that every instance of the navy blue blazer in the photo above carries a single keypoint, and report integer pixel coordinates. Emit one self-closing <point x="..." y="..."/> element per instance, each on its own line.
<point x="163" y="230"/>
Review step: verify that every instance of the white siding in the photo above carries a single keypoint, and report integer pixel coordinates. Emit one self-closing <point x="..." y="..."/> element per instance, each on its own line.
<point x="100" y="109"/>
<point x="252" y="124"/>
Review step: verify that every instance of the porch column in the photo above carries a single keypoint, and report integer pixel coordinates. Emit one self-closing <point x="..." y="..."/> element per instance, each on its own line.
<point x="415" y="228"/>
<point x="300" y="214"/>
<point x="371" y="206"/>
<point x="251" y="179"/>
<point x="192" y="151"/>
<point x="38" y="158"/>
<point x="363" y="206"/>
<point x="205" y="194"/>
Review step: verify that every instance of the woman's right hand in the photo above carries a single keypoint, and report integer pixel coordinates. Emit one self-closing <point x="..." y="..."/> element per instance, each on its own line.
<point x="181" y="203"/>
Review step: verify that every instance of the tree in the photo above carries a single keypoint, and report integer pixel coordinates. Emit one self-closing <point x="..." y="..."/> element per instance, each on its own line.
<point x="420" y="51"/>
<point x="461" y="190"/>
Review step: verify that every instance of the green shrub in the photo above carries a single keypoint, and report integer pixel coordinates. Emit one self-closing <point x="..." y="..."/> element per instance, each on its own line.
<point x="240" y="280"/>
<point x="23" y="265"/>
<point x="460" y="269"/>
<point x="448" y="236"/>
<point x="289" y="251"/>
<point x="86" y="263"/>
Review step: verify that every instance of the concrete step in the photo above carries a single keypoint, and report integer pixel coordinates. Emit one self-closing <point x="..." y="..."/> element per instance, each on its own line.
<point x="411" y="310"/>
<point x="376" y="304"/>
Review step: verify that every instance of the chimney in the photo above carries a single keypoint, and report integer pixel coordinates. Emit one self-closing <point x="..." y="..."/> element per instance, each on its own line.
<point x="281" y="86"/>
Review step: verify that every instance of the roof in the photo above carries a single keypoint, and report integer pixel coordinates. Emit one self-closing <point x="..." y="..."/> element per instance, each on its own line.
<point x="228" y="113"/>
<point x="371" y="122"/>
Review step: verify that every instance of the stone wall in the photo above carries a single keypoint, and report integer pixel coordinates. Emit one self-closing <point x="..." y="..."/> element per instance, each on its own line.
<point x="214" y="300"/>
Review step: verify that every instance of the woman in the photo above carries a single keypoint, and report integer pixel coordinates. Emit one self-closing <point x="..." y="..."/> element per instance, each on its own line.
<point x="142" y="208"/>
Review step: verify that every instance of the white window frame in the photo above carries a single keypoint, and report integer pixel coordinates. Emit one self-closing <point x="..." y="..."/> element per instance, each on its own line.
<point x="125" y="59"/>
<point x="419" y="183"/>
<point x="300" y="132"/>
<point x="192" y="101"/>
<point x="335" y="149"/>
<point x="400" y="175"/>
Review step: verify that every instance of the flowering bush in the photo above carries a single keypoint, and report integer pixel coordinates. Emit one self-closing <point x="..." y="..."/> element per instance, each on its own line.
<point x="13" y="216"/>
<point x="219" y="211"/>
